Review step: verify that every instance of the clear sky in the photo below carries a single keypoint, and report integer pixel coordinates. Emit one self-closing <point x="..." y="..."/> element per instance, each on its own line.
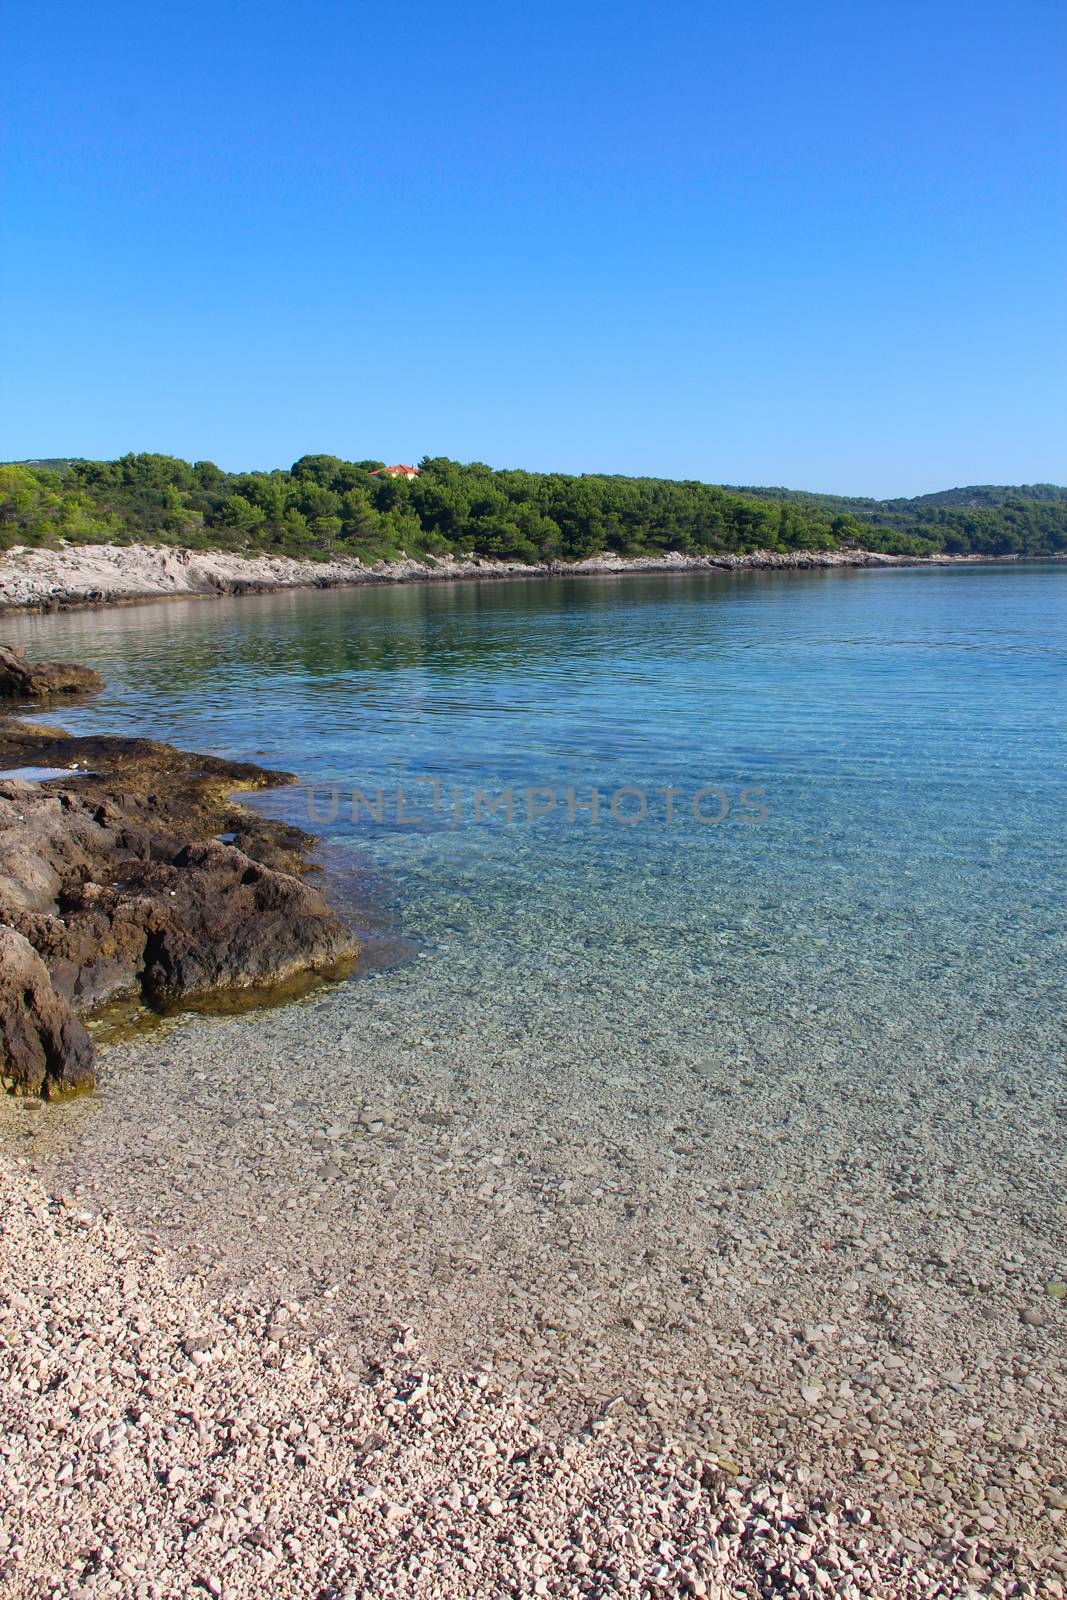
<point x="821" y="245"/>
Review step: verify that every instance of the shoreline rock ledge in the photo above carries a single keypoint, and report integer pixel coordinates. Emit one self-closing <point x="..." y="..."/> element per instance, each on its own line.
<point x="114" y="885"/>
<point x="33" y="679"/>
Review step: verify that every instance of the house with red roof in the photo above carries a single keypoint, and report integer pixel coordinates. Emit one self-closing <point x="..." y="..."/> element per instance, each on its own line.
<point x="399" y="471"/>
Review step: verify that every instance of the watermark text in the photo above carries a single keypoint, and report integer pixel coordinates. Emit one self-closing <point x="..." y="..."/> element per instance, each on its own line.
<point x="425" y="799"/>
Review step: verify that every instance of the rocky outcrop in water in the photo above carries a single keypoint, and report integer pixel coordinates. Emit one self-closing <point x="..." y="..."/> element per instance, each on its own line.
<point x="112" y="886"/>
<point x="24" y="679"/>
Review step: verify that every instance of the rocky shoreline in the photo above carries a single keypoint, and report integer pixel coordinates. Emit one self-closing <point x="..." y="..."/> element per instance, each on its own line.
<point x="109" y="574"/>
<point x="138" y="877"/>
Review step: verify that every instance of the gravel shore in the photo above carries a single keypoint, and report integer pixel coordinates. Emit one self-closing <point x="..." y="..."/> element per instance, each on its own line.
<point x="158" y="1444"/>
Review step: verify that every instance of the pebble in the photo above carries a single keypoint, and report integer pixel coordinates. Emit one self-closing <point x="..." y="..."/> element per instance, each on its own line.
<point x="464" y="1500"/>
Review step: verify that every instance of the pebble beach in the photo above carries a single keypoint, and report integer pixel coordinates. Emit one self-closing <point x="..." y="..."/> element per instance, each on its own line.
<point x="158" y="1443"/>
<point x="759" y="1297"/>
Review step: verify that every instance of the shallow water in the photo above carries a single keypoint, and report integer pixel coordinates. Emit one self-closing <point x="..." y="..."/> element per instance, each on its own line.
<point x="647" y="1097"/>
<point x="39" y="774"/>
<point x="905" y="732"/>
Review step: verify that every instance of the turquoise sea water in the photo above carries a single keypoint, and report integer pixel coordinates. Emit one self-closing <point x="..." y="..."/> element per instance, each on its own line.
<point x="641" y="1095"/>
<point x="905" y="731"/>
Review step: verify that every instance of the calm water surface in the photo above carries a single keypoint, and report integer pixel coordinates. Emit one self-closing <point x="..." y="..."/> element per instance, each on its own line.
<point x="644" y="1097"/>
<point x="906" y="730"/>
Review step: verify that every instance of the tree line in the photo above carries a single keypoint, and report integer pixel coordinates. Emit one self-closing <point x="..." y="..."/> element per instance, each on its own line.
<point x="324" y="506"/>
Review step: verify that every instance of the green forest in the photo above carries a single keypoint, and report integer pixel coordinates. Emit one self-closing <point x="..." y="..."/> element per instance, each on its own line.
<point x="324" y="507"/>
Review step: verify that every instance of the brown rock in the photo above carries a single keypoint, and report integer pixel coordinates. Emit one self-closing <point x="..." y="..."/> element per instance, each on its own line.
<point x="111" y="905"/>
<point x="44" y="1049"/>
<point x="114" y="885"/>
<point x="20" y="678"/>
<point x="207" y="919"/>
<point x="222" y="921"/>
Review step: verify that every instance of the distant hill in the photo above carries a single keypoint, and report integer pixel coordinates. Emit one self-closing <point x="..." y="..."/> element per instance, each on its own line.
<point x="324" y="506"/>
<point x="992" y="494"/>
<point x="986" y="494"/>
<point x="57" y="464"/>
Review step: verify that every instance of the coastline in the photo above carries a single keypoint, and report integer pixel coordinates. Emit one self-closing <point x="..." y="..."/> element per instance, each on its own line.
<point x="268" y="1457"/>
<point x="108" y="574"/>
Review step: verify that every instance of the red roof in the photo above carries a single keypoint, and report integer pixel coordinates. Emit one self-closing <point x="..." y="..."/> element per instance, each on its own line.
<point x="411" y="471"/>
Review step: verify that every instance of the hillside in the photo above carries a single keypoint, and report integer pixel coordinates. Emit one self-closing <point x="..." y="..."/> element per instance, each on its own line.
<point x="326" y="507"/>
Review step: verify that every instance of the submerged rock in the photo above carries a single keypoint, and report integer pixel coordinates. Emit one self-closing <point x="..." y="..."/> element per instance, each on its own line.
<point x="21" y="678"/>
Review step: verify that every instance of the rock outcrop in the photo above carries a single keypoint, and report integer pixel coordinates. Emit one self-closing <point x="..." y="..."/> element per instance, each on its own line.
<point x="112" y="885"/>
<point x="116" y="908"/>
<point x="44" y="1047"/>
<point x="22" y="679"/>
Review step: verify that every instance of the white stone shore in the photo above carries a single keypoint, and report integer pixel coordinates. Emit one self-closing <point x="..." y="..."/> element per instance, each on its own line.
<point x="99" y="574"/>
<point x="157" y="1444"/>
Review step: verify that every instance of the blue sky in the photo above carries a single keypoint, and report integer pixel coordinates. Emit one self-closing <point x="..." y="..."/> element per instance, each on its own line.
<point x="820" y="245"/>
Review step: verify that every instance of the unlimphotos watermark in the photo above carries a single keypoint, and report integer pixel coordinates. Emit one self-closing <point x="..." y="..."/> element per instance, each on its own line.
<point x="426" y="799"/>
